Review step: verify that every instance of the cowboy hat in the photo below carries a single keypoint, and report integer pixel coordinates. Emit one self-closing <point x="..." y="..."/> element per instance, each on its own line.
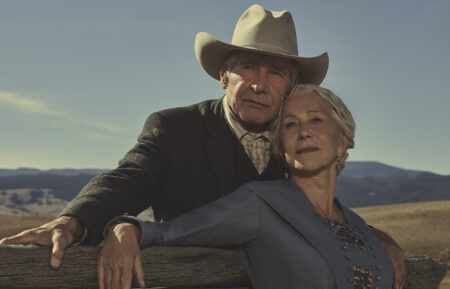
<point x="261" y="31"/>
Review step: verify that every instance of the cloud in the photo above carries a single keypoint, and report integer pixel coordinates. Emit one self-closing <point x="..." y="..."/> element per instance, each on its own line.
<point x="95" y="124"/>
<point x="27" y="105"/>
<point x="32" y="106"/>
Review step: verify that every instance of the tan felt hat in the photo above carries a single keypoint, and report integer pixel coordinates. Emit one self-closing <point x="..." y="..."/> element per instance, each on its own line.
<point x="261" y="31"/>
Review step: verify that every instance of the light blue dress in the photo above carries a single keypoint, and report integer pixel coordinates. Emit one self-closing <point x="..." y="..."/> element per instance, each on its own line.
<point x="284" y="242"/>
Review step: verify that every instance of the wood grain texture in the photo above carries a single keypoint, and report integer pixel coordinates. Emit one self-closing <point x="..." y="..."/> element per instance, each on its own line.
<point x="173" y="267"/>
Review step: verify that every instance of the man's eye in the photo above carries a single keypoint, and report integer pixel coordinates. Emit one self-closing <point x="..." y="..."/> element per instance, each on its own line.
<point x="277" y="73"/>
<point x="289" y="124"/>
<point x="316" y="119"/>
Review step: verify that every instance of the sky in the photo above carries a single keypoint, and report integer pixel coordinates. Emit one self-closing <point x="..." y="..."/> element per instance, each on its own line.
<point x="79" y="78"/>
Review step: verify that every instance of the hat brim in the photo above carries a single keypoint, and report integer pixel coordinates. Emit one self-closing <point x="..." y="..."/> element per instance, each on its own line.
<point x="211" y="52"/>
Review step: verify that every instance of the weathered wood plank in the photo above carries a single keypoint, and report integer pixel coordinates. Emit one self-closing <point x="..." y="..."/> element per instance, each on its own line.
<point x="27" y="267"/>
<point x="176" y="267"/>
<point x="423" y="273"/>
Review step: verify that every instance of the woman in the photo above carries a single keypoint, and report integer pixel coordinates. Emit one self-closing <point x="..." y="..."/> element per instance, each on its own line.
<point x="291" y="233"/>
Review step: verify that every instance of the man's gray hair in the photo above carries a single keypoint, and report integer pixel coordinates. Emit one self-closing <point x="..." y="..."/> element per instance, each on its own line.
<point x="339" y="113"/>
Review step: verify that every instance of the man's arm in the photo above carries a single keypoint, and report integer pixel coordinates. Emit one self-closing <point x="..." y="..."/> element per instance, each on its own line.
<point x="132" y="187"/>
<point x="396" y="254"/>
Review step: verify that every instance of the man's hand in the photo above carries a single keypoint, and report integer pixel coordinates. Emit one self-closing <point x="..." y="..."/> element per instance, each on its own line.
<point x="397" y="257"/>
<point x="59" y="233"/>
<point x="119" y="258"/>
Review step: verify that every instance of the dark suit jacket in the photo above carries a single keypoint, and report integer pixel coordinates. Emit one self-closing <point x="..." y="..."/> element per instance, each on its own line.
<point x="284" y="242"/>
<point x="184" y="158"/>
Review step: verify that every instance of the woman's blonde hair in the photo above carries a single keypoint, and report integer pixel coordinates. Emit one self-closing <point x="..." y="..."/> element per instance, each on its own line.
<point x="339" y="113"/>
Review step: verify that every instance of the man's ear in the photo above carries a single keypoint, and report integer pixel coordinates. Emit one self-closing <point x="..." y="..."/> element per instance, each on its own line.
<point x="223" y="78"/>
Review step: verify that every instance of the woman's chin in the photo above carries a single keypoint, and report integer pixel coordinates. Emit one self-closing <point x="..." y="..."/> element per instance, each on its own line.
<point x="301" y="169"/>
<point x="306" y="166"/>
<point x="306" y="169"/>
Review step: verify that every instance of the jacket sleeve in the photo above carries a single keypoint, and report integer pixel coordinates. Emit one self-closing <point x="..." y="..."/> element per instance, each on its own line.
<point x="230" y="220"/>
<point x="130" y="188"/>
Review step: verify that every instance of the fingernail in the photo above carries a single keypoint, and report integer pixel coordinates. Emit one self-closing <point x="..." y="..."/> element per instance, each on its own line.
<point x="55" y="262"/>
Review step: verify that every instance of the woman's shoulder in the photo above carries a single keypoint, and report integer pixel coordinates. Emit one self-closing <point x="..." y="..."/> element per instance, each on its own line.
<point x="277" y="192"/>
<point x="254" y="189"/>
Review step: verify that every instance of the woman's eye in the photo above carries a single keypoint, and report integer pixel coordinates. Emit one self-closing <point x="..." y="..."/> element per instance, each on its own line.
<point x="316" y="119"/>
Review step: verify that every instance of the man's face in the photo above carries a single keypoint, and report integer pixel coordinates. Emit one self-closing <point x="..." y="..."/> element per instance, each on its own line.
<point x="255" y="86"/>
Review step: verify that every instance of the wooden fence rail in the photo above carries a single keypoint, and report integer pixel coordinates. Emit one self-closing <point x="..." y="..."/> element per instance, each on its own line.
<point x="172" y="267"/>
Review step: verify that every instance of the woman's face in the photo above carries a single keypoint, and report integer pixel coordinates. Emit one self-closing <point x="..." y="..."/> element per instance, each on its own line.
<point x="310" y="138"/>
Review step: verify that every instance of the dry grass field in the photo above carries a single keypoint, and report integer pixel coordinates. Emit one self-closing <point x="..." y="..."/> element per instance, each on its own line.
<point x="419" y="228"/>
<point x="10" y="225"/>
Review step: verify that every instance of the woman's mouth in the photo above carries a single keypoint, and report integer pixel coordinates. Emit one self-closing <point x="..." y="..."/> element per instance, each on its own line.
<point x="307" y="150"/>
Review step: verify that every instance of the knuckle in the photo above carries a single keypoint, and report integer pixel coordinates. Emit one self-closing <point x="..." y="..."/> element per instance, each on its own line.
<point x="111" y="265"/>
<point x="127" y="262"/>
<point x="125" y="283"/>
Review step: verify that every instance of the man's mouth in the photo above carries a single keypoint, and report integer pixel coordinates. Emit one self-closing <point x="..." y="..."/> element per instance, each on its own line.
<point x="256" y="104"/>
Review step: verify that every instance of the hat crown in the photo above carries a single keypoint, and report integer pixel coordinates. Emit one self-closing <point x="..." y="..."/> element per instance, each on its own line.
<point x="264" y="32"/>
<point x="270" y="31"/>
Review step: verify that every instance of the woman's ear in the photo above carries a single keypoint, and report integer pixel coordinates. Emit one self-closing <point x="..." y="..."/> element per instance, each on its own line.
<point x="342" y="144"/>
<point x="223" y="78"/>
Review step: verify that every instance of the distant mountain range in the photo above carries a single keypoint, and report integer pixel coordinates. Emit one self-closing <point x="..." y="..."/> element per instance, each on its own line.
<point x="352" y="169"/>
<point x="23" y="190"/>
<point x="58" y="172"/>
<point x="376" y="170"/>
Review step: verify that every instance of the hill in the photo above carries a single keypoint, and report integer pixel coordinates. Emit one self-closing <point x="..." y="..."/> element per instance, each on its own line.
<point x="370" y="191"/>
<point x="355" y="169"/>
<point x="59" y="172"/>
<point x="363" y="169"/>
<point x="361" y="184"/>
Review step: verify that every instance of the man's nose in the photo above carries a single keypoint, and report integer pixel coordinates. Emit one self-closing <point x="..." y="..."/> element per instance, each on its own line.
<point x="260" y="81"/>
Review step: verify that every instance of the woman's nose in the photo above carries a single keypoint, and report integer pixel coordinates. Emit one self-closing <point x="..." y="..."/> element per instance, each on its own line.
<point x="303" y="133"/>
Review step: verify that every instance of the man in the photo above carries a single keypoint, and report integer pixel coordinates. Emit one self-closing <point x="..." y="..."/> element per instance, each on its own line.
<point x="186" y="157"/>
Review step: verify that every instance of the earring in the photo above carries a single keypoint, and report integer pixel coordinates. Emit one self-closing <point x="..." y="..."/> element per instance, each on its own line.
<point x="285" y="166"/>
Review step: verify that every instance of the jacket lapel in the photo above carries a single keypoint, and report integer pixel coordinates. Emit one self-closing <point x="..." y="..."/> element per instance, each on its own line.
<point x="293" y="205"/>
<point x="220" y="149"/>
<point x="296" y="209"/>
